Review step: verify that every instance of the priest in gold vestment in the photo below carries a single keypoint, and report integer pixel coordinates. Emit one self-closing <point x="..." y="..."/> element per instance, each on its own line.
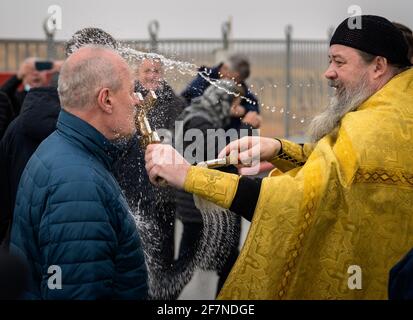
<point x="341" y="203"/>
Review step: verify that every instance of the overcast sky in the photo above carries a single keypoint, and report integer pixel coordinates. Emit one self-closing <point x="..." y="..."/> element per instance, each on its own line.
<point x="128" y="19"/>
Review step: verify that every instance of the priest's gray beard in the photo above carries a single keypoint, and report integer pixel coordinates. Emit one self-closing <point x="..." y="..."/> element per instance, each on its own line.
<point x="345" y="100"/>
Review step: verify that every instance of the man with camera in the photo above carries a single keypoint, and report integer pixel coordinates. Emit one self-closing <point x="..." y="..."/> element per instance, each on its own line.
<point x="31" y="74"/>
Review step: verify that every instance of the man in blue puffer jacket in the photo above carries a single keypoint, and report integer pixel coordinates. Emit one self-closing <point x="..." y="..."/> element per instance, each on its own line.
<point x="71" y="223"/>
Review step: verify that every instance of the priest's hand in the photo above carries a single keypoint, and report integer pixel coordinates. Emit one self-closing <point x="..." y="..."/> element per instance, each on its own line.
<point x="252" y="150"/>
<point x="163" y="161"/>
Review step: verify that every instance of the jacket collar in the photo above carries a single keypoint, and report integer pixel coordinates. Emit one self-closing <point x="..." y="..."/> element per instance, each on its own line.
<point x="87" y="137"/>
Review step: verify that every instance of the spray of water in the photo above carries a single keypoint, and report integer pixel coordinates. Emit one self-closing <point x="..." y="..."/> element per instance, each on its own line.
<point x="166" y="281"/>
<point x="220" y="232"/>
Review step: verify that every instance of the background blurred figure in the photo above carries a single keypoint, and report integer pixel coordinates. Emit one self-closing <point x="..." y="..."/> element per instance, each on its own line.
<point x="152" y="207"/>
<point x="6" y="113"/>
<point x="30" y="77"/>
<point x="408" y="35"/>
<point x="212" y="110"/>
<point x="35" y="123"/>
<point x="150" y="76"/>
<point x="237" y="68"/>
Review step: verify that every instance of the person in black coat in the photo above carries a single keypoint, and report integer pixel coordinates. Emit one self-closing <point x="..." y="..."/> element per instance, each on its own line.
<point x="36" y="122"/>
<point x="27" y="75"/>
<point x="212" y="110"/>
<point x="152" y="207"/>
<point x="150" y="76"/>
<point x="6" y="110"/>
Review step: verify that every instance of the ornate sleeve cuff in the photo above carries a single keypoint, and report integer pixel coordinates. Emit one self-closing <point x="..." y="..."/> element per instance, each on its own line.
<point x="291" y="156"/>
<point x="213" y="185"/>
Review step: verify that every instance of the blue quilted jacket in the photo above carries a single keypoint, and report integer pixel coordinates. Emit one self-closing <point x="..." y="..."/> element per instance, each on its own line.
<point x="71" y="222"/>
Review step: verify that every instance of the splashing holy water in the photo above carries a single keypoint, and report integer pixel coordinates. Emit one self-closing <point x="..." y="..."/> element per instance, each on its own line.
<point x="220" y="231"/>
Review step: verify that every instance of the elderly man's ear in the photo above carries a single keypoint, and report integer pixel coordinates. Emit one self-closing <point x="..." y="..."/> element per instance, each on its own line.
<point x="105" y="101"/>
<point x="381" y="66"/>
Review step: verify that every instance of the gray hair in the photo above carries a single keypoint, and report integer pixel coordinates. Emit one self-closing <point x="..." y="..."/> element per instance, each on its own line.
<point x="368" y="58"/>
<point x="340" y="104"/>
<point x="80" y="81"/>
<point x="89" y="36"/>
<point x="240" y="64"/>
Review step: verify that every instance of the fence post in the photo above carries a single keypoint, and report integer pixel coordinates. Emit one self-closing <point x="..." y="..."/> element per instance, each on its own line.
<point x="226" y="34"/>
<point x="288" y="34"/>
<point x="153" y="29"/>
<point x="51" y="46"/>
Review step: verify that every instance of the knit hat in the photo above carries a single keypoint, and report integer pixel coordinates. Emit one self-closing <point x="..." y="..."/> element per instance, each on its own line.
<point x="377" y="36"/>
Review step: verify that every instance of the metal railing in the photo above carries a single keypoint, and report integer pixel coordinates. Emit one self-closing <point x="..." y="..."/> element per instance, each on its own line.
<point x="286" y="74"/>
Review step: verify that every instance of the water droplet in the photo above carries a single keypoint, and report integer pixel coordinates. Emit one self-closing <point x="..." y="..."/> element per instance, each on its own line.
<point x="282" y="110"/>
<point x="294" y="116"/>
<point x="273" y="109"/>
<point x="302" y="120"/>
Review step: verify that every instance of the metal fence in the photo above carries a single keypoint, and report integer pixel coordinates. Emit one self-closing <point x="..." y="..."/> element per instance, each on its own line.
<point x="286" y="74"/>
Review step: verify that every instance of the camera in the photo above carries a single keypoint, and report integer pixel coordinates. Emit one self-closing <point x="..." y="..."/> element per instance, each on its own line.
<point x="43" y="65"/>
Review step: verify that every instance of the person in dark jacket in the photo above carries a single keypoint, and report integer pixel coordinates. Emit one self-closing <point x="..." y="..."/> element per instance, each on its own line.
<point x="212" y="110"/>
<point x="29" y="77"/>
<point x="6" y="110"/>
<point x="168" y="106"/>
<point x="70" y="213"/>
<point x="401" y="279"/>
<point x="35" y="123"/>
<point x="153" y="207"/>
<point x="237" y="68"/>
